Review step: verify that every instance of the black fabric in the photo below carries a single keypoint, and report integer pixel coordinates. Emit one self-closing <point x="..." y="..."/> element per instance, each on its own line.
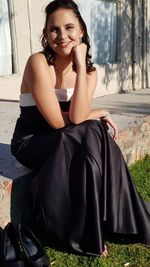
<point x="83" y="187"/>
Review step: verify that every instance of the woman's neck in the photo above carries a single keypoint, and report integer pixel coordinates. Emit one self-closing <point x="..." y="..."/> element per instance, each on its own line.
<point x="63" y="67"/>
<point x="62" y="63"/>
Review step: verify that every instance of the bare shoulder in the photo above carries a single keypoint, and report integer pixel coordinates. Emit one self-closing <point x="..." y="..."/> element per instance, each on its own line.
<point x="36" y="60"/>
<point x="37" y="71"/>
<point x="37" y="66"/>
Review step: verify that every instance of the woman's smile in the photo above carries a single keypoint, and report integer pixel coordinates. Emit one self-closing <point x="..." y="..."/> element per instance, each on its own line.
<point x="64" y="44"/>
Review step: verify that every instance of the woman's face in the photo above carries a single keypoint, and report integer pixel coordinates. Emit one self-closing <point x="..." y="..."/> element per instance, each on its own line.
<point x="63" y="31"/>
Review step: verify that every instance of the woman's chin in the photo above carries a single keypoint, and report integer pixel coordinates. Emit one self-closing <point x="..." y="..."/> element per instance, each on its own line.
<point x="64" y="53"/>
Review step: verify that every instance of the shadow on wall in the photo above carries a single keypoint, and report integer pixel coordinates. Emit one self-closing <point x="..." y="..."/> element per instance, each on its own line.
<point x="126" y="47"/>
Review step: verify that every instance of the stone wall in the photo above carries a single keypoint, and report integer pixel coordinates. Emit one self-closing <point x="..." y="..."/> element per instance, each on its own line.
<point x="135" y="141"/>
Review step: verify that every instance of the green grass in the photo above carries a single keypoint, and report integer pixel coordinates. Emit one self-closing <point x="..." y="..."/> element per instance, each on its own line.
<point x="137" y="255"/>
<point x="140" y="172"/>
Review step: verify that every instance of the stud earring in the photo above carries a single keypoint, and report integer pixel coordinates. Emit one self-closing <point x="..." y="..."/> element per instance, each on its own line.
<point x="80" y="40"/>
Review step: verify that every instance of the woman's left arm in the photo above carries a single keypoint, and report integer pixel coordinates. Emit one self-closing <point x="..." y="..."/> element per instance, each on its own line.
<point x="104" y="115"/>
<point x="84" y="87"/>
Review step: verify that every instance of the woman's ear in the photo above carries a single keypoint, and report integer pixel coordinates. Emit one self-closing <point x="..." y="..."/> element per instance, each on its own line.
<point x="81" y="36"/>
<point x="81" y="33"/>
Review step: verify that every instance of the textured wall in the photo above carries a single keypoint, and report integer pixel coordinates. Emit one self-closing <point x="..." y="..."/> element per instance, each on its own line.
<point x="28" y="18"/>
<point x="135" y="141"/>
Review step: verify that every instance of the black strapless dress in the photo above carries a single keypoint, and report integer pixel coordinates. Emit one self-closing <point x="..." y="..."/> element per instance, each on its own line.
<point x="83" y="188"/>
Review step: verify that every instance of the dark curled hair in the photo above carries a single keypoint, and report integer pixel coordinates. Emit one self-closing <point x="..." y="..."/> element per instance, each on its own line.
<point x="47" y="50"/>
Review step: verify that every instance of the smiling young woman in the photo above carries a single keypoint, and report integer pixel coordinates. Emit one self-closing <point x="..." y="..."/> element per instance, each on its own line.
<point x="82" y="189"/>
<point x="63" y="32"/>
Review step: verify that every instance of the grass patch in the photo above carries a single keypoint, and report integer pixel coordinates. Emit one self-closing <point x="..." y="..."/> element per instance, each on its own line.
<point x="135" y="255"/>
<point x="131" y="255"/>
<point x="140" y="172"/>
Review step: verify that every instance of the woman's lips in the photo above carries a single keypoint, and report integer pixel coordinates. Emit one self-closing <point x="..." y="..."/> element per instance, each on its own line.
<point x="64" y="44"/>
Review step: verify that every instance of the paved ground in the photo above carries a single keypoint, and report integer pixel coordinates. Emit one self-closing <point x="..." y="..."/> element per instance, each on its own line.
<point x="127" y="110"/>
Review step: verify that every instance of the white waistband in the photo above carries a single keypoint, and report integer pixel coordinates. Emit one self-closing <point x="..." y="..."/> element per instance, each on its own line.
<point x="26" y="99"/>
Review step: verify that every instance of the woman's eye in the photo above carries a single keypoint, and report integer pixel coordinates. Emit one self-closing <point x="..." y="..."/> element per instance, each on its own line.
<point x="69" y="27"/>
<point x="53" y="30"/>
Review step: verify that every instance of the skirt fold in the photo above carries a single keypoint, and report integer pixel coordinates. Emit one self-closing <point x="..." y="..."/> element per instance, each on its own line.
<point x="84" y="188"/>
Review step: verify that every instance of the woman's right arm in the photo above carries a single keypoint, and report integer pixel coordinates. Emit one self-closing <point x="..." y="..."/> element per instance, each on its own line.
<point x="38" y="78"/>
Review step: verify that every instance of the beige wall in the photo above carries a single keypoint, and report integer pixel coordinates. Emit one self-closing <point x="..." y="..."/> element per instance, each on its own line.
<point x="28" y="16"/>
<point x="113" y="78"/>
<point x="9" y="86"/>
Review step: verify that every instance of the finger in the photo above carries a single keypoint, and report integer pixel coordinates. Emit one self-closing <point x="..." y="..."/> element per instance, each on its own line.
<point x="115" y="134"/>
<point x="115" y="137"/>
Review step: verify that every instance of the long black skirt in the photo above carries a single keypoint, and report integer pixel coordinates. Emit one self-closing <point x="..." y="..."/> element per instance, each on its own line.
<point x="83" y="189"/>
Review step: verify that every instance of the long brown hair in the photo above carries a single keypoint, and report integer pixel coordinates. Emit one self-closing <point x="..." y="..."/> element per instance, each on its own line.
<point x="47" y="50"/>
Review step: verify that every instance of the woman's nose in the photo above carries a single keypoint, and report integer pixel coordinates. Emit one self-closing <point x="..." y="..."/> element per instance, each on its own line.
<point x="62" y="34"/>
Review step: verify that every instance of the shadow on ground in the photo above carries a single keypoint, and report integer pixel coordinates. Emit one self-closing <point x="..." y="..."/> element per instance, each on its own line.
<point x="9" y="167"/>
